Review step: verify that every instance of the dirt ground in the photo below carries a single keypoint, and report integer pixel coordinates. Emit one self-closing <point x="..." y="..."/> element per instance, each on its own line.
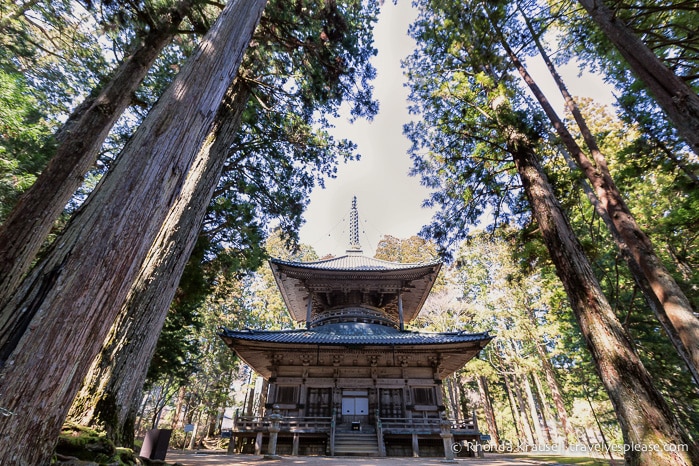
<point x="218" y="458"/>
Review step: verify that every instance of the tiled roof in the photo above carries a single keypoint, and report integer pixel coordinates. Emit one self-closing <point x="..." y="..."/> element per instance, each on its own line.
<point x="354" y="334"/>
<point x="353" y="262"/>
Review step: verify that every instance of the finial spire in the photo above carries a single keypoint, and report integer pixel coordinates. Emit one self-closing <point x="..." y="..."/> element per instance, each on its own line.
<point x="354" y="246"/>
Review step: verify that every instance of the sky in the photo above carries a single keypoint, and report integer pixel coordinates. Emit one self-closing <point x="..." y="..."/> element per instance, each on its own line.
<point x="390" y="201"/>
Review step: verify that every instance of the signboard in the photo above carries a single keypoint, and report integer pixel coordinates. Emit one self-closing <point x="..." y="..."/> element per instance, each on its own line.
<point x="189" y="427"/>
<point x="485" y="438"/>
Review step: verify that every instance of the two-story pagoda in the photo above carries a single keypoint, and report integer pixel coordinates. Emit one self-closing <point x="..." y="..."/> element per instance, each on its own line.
<point x="354" y="381"/>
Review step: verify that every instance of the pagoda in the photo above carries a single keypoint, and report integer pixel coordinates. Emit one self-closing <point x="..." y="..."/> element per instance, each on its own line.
<point x="353" y="380"/>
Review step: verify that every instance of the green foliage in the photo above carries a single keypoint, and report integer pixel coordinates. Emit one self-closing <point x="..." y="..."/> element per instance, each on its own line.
<point x="55" y="45"/>
<point x="410" y="250"/>
<point x="304" y="63"/>
<point x="665" y="27"/>
<point x="463" y="91"/>
<point x="26" y="139"/>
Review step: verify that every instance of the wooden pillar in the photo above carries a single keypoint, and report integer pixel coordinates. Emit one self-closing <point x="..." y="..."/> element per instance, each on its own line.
<point x="309" y="310"/>
<point x="231" y="445"/>
<point x="407" y="400"/>
<point x="272" y="389"/>
<point x="295" y="447"/>
<point x="416" y="447"/>
<point x="258" y="443"/>
<point x="303" y="399"/>
<point x="400" y="310"/>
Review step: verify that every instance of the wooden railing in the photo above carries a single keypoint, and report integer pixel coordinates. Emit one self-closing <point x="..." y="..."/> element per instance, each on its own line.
<point x="307" y="423"/>
<point x="402" y="424"/>
<point x="249" y="423"/>
<point x="463" y="424"/>
<point x="391" y="424"/>
<point x="333" y="425"/>
<point x="288" y="424"/>
<point x="379" y="435"/>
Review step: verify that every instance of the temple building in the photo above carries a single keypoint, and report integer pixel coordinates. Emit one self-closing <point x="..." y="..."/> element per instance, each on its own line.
<point x="353" y="380"/>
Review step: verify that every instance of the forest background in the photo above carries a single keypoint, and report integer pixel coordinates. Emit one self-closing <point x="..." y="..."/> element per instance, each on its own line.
<point x="537" y="383"/>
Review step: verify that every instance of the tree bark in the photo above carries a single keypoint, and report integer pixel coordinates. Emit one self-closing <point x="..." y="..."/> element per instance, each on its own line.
<point x="533" y="411"/>
<point x="27" y="226"/>
<point x="533" y="437"/>
<point x="519" y="428"/>
<point x="453" y="399"/>
<point x="540" y="398"/>
<point x="263" y="398"/>
<point x="488" y="409"/>
<point x="568" y="431"/>
<point x="552" y="382"/>
<point x="68" y="303"/>
<point x="119" y="371"/>
<point x="679" y="102"/>
<point x="177" y="418"/>
<point x="664" y="296"/>
<point x="644" y="416"/>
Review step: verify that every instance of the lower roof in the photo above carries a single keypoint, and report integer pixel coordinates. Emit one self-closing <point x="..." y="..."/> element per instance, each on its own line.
<point x="262" y="350"/>
<point x="353" y="333"/>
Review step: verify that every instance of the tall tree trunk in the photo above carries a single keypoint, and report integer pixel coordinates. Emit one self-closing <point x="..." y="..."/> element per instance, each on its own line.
<point x="605" y="445"/>
<point x="679" y="102"/>
<point x="120" y="369"/>
<point x="263" y="398"/>
<point x="79" y="140"/>
<point x="540" y="399"/>
<point x="552" y="382"/>
<point x="141" y="410"/>
<point x="527" y="409"/>
<point x="533" y="411"/>
<point x="250" y="396"/>
<point x="129" y="427"/>
<point x="643" y="414"/>
<point x="519" y="427"/>
<point x="67" y="304"/>
<point x="488" y="409"/>
<point x="177" y="418"/>
<point x="453" y="396"/>
<point x="670" y="305"/>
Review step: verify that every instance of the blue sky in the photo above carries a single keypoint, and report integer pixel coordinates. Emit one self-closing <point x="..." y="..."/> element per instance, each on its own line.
<point x="389" y="201"/>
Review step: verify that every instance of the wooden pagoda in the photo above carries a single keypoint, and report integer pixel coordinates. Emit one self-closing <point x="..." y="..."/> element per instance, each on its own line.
<point x="353" y="381"/>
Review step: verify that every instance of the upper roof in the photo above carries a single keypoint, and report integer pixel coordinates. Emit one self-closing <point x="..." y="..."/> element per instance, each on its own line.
<point x="330" y="279"/>
<point x="354" y="263"/>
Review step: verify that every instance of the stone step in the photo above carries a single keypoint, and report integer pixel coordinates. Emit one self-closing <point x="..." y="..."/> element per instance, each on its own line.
<point x="356" y="444"/>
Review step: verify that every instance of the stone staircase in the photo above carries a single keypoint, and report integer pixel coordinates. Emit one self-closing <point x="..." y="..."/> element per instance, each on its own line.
<point x="356" y="444"/>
